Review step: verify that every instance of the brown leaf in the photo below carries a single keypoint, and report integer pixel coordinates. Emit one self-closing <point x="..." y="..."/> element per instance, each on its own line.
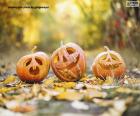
<point x="23" y="108"/>
<point x="16" y="106"/>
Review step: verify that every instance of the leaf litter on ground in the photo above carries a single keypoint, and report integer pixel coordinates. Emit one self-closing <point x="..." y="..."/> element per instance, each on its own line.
<point x="95" y="90"/>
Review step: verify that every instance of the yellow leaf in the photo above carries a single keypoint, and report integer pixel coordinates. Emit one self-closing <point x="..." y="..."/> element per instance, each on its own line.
<point x="9" y="79"/>
<point x="70" y="95"/>
<point x="84" y="79"/>
<point x="65" y="84"/>
<point x="48" y="82"/>
<point x="7" y="89"/>
<point x="108" y="81"/>
<point x="95" y="81"/>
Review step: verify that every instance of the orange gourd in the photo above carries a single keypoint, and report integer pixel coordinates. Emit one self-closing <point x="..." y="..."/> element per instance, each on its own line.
<point x="33" y="67"/>
<point x="109" y="63"/>
<point x="68" y="62"/>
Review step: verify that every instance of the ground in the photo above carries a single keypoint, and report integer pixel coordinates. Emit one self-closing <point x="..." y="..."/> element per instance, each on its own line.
<point x="87" y="97"/>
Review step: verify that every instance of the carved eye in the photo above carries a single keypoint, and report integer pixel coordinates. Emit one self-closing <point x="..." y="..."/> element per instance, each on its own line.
<point x="103" y="57"/>
<point x="114" y="57"/>
<point x="38" y="61"/>
<point x="70" y="50"/>
<point x="64" y="59"/>
<point x="28" y="62"/>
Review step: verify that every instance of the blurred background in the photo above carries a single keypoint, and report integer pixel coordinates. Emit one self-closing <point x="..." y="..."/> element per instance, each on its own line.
<point x="89" y="23"/>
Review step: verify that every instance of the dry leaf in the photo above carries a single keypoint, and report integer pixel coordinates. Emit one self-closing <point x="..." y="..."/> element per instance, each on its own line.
<point x="48" y="82"/>
<point x="93" y="93"/>
<point x="9" y="79"/>
<point x="7" y="89"/>
<point x="79" y="85"/>
<point x="109" y="81"/>
<point x="65" y="84"/>
<point x="71" y="96"/>
<point x="79" y="105"/>
<point x="103" y="102"/>
<point x="35" y="89"/>
<point x="23" y="108"/>
<point x="16" y="106"/>
<point x="84" y="79"/>
<point x="127" y="90"/>
<point x="95" y="81"/>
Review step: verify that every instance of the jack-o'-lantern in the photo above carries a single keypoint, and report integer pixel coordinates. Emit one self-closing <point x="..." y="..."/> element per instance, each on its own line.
<point x="109" y="63"/>
<point x="33" y="67"/>
<point x="68" y="62"/>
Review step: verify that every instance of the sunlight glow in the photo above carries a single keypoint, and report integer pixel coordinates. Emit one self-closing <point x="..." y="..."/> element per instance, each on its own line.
<point x="67" y="7"/>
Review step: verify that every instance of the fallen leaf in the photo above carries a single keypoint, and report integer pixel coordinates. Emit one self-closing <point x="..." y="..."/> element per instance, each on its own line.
<point x="9" y="79"/>
<point x="23" y="108"/>
<point x="109" y="81"/>
<point x="127" y="90"/>
<point x="71" y="96"/>
<point x="93" y="93"/>
<point x="84" y="79"/>
<point x="16" y="106"/>
<point x="79" y="85"/>
<point x="103" y="102"/>
<point x="35" y="89"/>
<point x="94" y="81"/>
<point x="48" y="82"/>
<point x="7" y="89"/>
<point x="65" y="84"/>
<point x="79" y="105"/>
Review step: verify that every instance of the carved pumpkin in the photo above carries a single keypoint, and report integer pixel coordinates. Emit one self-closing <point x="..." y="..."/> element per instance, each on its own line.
<point x="108" y="63"/>
<point x="33" y="68"/>
<point x="68" y="62"/>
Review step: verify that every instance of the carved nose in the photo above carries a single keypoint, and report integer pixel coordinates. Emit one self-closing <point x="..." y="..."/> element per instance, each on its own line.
<point x="109" y="59"/>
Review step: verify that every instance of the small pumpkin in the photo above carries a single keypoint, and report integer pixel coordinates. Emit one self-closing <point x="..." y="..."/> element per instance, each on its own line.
<point x="33" y="67"/>
<point x="68" y="62"/>
<point x="109" y="63"/>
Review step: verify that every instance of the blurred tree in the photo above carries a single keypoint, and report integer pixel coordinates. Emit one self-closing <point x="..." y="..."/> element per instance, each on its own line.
<point x="92" y="24"/>
<point x="20" y="26"/>
<point x="123" y="27"/>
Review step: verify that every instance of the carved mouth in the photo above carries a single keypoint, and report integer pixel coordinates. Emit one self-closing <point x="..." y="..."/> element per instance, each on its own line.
<point x="109" y="65"/>
<point x="34" y="71"/>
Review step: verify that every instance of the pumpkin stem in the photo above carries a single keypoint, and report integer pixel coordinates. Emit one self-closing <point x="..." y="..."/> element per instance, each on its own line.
<point x="106" y="48"/>
<point x="34" y="49"/>
<point x="61" y="43"/>
<point x="108" y="51"/>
